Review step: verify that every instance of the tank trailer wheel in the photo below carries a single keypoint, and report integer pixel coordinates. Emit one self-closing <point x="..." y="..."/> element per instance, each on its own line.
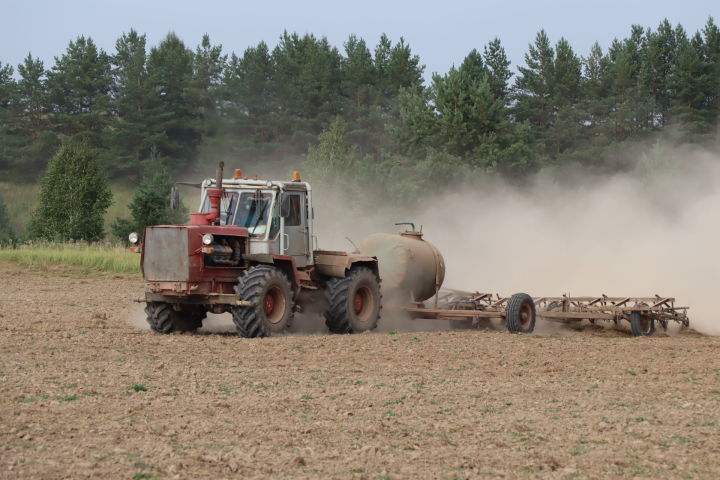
<point x="354" y="302"/>
<point x="269" y="290"/>
<point x="641" y="324"/>
<point x="520" y="314"/>
<point x="163" y="319"/>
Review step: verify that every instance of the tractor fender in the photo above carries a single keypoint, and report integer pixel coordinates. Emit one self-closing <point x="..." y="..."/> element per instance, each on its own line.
<point x="285" y="263"/>
<point x="338" y="264"/>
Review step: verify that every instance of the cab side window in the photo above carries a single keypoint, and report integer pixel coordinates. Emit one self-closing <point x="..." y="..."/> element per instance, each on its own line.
<point x="292" y="204"/>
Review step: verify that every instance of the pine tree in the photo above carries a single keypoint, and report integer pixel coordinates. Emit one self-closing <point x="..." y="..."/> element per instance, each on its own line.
<point x="131" y="137"/>
<point x="358" y="75"/>
<point x="711" y="55"/>
<point x="415" y="131"/>
<point x="32" y="89"/>
<point x="535" y="86"/>
<point x="249" y="106"/>
<point x="173" y="113"/>
<point x="632" y="107"/>
<point x="691" y="84"/>
<point x="308" y="83"/>
<point x="596" y="104"/>
<point x="467" y="110"/>
<point x="498" y="67"/>
<point x="473" y="68"/>
<point x="364" y="129"/>
<point x="566" y="126"/>
<point x="8" y="96"/>
<point x="74" y="195"/>
<point x="35" y="141"/>
<point x="208" y="66"/>
<point x="79" y="87"/>
<point x="396" y="68"/>
<point x="660" y="56"/>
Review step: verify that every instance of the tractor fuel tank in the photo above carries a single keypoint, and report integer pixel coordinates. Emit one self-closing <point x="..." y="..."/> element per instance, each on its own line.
<point x="407" y="263"/>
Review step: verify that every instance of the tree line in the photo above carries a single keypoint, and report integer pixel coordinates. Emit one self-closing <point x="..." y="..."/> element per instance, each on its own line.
<point x="361" y="112"/>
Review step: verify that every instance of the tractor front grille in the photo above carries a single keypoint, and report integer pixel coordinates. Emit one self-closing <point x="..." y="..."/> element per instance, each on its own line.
<point x="165" y="257"/>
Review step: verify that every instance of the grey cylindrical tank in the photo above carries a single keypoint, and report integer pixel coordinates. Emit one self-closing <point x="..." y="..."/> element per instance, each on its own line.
<point x="407" y="263"/>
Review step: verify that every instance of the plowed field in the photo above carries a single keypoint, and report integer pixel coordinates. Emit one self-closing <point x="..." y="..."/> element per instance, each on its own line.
<point x="87" y="393"/>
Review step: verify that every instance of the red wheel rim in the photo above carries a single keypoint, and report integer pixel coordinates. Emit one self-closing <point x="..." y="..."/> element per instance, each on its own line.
<point x="269" y="304"/>
<point x="358" y="302"/>
<point x="274" y="305"/>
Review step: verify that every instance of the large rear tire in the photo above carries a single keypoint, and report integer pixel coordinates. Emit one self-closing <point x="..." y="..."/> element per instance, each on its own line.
<point x="520" y="314"/>
<point x="269" y="290"/>
<point x="163" y="319"/>
<point x="354" y="302"/>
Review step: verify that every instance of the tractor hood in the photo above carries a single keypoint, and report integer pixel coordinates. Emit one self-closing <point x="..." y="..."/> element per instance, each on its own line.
<point x="173" y="253"/>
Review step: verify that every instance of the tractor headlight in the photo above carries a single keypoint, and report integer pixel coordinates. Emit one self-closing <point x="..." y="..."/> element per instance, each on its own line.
<point x="207" y="239"/>
<point x="133" y="237"/>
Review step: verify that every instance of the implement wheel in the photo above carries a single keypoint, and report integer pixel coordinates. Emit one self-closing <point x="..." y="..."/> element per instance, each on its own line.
<point x="641" y="324"/>
<point x="354" y="302"/>
<point x="520" y="314"/>
<point x="269" y="290"/>
<point x="163" y="319"/>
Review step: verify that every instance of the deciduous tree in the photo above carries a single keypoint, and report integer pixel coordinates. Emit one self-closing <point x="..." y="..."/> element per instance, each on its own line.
<point x="74" y="195"/>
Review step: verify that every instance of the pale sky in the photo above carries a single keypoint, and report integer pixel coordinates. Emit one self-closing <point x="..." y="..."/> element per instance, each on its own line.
<point x="440" y="32"/>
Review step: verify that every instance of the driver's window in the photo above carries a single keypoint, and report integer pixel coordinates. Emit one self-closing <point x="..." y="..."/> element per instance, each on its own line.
<point x="252" y="211"/>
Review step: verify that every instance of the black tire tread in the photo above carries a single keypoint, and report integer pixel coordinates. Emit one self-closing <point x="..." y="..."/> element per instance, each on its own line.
<point x="163" y="319"/>
<point x="512" y="313"/>
<point x="336" y="291"/>
<point x="336" y="294"/>
<point x="635" y="322"/>
<point x="251" y="286"/>
<point x="158" y="317"/>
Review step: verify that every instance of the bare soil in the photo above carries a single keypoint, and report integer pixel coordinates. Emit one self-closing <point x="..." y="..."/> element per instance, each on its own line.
<point x="85" y="393"/>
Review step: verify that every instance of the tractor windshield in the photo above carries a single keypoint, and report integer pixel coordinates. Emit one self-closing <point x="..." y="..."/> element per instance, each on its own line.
<point x="253" y="211"/>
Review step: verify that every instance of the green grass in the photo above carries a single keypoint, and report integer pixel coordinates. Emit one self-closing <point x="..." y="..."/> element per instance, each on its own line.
<point x="104" y="258"/>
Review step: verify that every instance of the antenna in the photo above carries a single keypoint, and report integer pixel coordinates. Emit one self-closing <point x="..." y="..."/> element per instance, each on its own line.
<point x="353" y="244"/>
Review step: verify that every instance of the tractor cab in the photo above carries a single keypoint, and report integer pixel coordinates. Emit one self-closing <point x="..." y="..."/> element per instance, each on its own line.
<point x="277" y="215"/>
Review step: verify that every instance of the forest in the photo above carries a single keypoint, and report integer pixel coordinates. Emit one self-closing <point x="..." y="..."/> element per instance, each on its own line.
<point x="361" y="116"/>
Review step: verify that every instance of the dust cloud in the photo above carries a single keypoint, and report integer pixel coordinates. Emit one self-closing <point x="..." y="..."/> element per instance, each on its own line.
<point x="651" y="231"/>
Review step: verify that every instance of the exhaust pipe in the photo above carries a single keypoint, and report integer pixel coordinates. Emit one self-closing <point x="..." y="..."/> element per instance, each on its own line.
<point x="214" y="194"/>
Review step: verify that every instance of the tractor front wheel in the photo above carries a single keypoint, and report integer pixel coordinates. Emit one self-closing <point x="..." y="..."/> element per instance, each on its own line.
<point x="354" y="302"/>
<point x="269" y="290"/>
<point x="162" y="318"/>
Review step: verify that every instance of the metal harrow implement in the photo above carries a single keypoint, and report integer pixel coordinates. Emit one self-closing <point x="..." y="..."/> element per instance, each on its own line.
<point x="518" y="312"/>
<point x="643" y="313"/>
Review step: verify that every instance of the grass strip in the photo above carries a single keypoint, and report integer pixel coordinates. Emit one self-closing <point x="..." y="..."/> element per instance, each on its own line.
<point x="99" y="257"/>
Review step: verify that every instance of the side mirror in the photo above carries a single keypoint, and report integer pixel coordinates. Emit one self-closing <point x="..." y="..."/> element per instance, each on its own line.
<point x="285" y="207"/>
<point x="174" y="198"/>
